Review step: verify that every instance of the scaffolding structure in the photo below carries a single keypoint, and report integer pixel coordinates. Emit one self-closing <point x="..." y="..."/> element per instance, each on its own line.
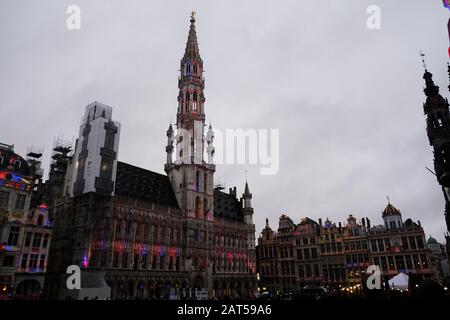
<point x="34" y="155"/>
<point x="61" y="155"/>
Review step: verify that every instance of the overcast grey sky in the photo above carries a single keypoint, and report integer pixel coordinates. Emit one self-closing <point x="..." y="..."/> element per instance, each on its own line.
<point x="347" y="100"/>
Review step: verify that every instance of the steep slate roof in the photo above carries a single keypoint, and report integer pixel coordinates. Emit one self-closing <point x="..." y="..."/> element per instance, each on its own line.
<point x="226" y="206"/>
<point x="144" y="184"/>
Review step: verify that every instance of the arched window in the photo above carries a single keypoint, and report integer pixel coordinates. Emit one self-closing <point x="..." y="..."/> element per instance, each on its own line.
<point x="187" y="96"/>
<point x="195" y="69"/>
<point x="195" y="96"/>
<point x="155" y="233"/>
<point x="197" y="181"/>
<point x="40" y="220"/>
<point x="188" y="69"/>
<point x="205" y="207"/>
<point x="198" y="205"/>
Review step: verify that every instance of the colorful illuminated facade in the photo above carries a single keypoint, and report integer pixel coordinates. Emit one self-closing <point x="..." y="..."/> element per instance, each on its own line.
<point x="154" y="235"/>
<point x="337" y="256"/>
<point x="25" y="229"/>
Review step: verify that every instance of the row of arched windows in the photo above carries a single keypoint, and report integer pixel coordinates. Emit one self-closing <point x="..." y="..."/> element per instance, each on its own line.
<point x="188" y="71"/>
<point x="143" y="231"/>
<point x="187" y="96"/>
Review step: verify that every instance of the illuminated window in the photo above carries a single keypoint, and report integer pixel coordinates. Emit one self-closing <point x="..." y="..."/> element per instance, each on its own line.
<point x="423" y="258"/>
<point x="416" y="261"/>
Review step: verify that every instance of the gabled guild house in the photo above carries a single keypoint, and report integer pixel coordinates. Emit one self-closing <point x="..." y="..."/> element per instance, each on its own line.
<point x="25" y="227"/>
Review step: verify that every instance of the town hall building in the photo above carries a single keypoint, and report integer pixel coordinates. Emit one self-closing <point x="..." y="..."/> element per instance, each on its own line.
<point x="143" y="234"/>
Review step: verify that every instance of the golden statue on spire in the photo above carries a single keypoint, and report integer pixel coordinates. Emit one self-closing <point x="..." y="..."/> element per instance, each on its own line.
<point x="193" y="13"/>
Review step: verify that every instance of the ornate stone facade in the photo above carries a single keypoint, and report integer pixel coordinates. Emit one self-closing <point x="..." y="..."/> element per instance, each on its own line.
<point x="337" y="256"/>
<point x="162" y="236"/>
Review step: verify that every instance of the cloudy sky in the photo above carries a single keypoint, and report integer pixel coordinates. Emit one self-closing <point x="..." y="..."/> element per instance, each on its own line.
<point x="347" y="100"/>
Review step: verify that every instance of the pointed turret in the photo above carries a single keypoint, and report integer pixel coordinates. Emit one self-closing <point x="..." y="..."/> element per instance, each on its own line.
<point x="248" y="210"/>
<point x="169" y="147"/>
<point x="210" y="150"/>
<point x="247" y="192"/>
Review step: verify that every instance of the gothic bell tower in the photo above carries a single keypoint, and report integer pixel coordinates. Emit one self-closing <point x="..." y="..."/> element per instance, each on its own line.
<point x="192" y="177"/>
<point x="437" y="113"/>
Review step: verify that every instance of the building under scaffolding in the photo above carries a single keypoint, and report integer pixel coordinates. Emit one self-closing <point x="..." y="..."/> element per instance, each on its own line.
<point x="61" y="158"/>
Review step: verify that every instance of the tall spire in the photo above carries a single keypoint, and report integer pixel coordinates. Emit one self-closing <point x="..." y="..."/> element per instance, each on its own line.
<point x="247" y="191"/>
<point x="191" y="51"/>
